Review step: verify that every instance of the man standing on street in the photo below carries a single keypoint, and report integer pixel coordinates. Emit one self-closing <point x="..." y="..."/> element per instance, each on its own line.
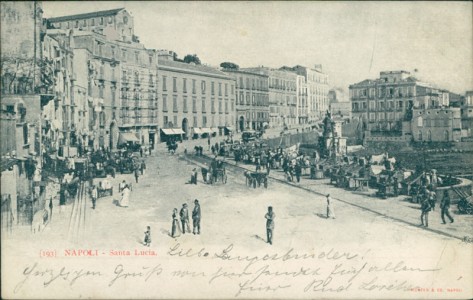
<point x="196" y="217"/>
<point x="445" y="206"/>
<point x="137" y="173"/>
<point x="51" y="208"/>
<point x="330" y="211"/>
<point x="270" y="224"/>
<point x="184" y="214"/>
<point x="425" y="207"/>
<point x="94" y="195"/>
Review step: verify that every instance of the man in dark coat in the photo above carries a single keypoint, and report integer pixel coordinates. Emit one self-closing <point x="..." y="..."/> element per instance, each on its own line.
<point x="445" y="206"/>
<point x="196" y="217"/>
<point x="184" y="215"/>
<point x="298" y="171"/>
<point x="426" y="208"/>
<point x="270" y="224"/>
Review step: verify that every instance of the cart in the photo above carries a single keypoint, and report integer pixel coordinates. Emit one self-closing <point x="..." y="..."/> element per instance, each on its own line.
<point x="257" y="179"/>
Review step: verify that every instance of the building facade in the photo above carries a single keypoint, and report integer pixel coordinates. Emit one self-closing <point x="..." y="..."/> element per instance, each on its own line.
<point x="442" y="124"/>
<point x="339" y="103"/>
<point x="252" y="99"/>
<point x="196" y="99"/>
<point x="282" y="87"/>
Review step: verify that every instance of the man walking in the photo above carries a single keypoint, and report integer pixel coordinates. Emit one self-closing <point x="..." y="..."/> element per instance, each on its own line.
<point x="330" y="211"/>
<point x="184" y="214"/>
<point x="137" y="173"/>
<point x="445" y="206"/>
<point x="94" y="195"/>
<point x="196" y="217"/>
<point x="270" y="215"/>
<point x="425" y="207"/>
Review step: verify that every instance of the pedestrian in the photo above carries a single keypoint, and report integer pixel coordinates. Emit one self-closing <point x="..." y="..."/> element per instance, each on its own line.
<point x="444" y="206"/>
<point x="121" y="186"/>
<point x="194" y="174"/>
<point x="196" y="217"/>
<point x="51" y="208"/>
<point x="149" y="149"/>
<point x="137" y="174"/>
<point x="141" y="151"/>
<point x="432" y="199"/>
<point x="330" y="211"/>
<point x="425" y="207"/>
<point x="125" y="197"/>
<point x="270" y="215"/>
<point x="208" y="142"/>
<point x="147" y="239"/>
<point x="175" y="223"/>
<point x="143" y="167"/>
<point x="212" y="149"/>
<point x="184" y="215"/>
<point x="298" y="171"/>
<point x="94" y="195"/>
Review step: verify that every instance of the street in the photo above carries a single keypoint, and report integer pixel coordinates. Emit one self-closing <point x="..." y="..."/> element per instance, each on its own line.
<point x="233" y="219"/>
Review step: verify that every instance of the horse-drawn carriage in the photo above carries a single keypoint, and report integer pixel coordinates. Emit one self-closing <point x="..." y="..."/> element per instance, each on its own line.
<point x="217" y="172"/>
<point x="258" y="178"/>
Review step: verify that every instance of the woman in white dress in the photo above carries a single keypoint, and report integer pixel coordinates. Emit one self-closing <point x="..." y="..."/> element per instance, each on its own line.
<point x="125" y="197"/>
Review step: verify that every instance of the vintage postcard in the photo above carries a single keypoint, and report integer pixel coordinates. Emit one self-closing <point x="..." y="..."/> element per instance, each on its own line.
<point x="236" y="150"/>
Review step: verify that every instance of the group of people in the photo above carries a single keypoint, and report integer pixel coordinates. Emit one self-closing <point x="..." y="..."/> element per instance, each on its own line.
<point x="183" y="217"/>
<point x="429" y="199"/>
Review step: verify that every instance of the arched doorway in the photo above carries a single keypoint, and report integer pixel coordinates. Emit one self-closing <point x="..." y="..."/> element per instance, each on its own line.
<point x="185" y="127"/>
<point x="446" y="135"/>
<point x="242" y="124"/>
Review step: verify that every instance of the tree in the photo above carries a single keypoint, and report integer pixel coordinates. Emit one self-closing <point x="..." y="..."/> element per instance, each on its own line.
<point x="192" y="59"/>
<point x="229" y="65"/>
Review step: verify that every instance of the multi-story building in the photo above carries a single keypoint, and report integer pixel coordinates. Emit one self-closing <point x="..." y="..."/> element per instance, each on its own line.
<point x="114" y="24"/>
<point x="467" y="114"/>
<point x="317" y="91"/>
<point x="282" y="96"/>
<point x="121" y="87"/>
<point x="302" y="104"/>
<point x="339" y="105"/>
<point x="252" y="99"/>
<point x="120" y="80"/>
<point x="396" y="104"/>
<point x="194" y="99"/>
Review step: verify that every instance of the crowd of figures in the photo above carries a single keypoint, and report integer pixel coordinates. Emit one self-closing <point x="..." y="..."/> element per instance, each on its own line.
<point x="180" y="221"/>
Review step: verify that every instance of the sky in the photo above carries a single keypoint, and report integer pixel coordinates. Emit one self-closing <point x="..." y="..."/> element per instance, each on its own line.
<point x="353" y="41"/>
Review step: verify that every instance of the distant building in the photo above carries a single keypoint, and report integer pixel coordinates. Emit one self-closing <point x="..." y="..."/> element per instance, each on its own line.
<point x="339" y="104"/>
<point x="392" y="105"/>
<point x="252" y="99"/>
<point x="196" y="99"/>
<point x="114" y="24"/>
<point x="282" y="96"/>
<point x="467" y="114"/>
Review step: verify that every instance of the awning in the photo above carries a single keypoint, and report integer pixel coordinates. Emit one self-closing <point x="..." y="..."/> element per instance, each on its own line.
<point x="125" y="137"/>
<point x="229" y="128"/>
<point x="197" y="131"/>
<point x="178" y="131"/>
<point x="206" y="130"/>
<point x="167" y="131"/>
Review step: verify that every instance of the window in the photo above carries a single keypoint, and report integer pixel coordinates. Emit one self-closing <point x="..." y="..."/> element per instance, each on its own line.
<point x="219" y="89"/>
<point x="202" y="86"/>
<point x="84" y="23"/>
<point x="203" y="105"/>
<point x="372" y="105"/>
<point x="184" y="85"/>
<point x="195" y="121"/>
<point x="220" y="106"/>
<point x="226" y="106"/>
<point x="232" y="89"/>
<point x="124" y="54"/>
<point x="204" y="121"/>
<point x="247" y="98"/>
<point x="92" y="22"/>
<point x="175" y="120"/>
<point x="241" y="82"/>
<point x="194" y="104"/>
<point x="213" y="106"/>
<point x="184" y="103"/>
<point x="174" y="103"/>
<point x="150" y="58"/>
<point x="253" y="100"/>
<point x="372" y="117"/>
<point x="242" y="98"/>
<point x="165" y="121"/>
<point x="226" y="89"/>
<point x="212" y="88"/>
<point x="101" y="21"/>
<point x="419" y="122"/>
<point x="164" y="83"/>
<point x="174" y="84"/>
<point x="112" y="50"/>
<point x="165" y="103"/>
<point x="110" y="20"/>
<point x="137" y="56"/>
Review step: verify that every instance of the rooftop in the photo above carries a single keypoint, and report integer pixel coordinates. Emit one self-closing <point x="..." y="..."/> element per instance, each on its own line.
<point x="190" y="67"/>
<point x="95" y="14"/>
